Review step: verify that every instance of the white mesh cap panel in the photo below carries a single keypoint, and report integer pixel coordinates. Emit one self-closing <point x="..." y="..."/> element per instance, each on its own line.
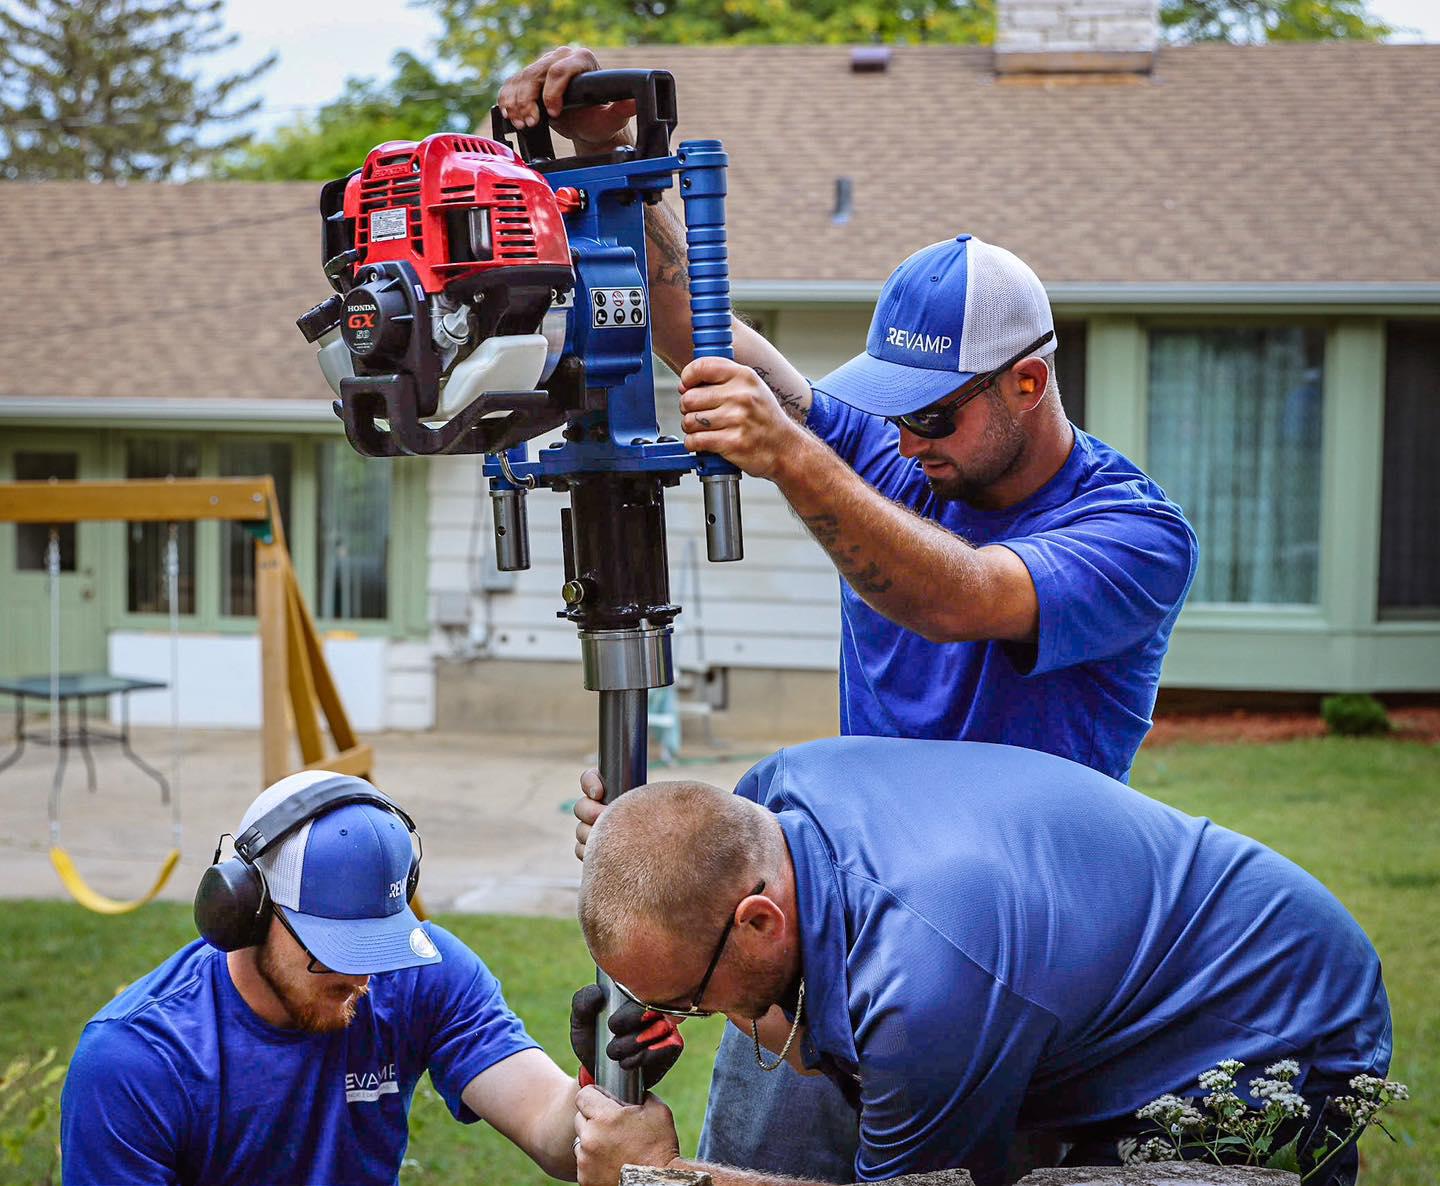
<point x="283" y="864"/>
<point x="1005" y="308"/>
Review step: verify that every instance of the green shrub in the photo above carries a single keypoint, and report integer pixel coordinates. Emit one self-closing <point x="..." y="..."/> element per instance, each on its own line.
<point x="29" y="1103"/>
<point x="1354" y="715"/>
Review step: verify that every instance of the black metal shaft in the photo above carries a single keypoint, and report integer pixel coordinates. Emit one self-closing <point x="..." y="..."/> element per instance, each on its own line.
<point x="617" y="576"/>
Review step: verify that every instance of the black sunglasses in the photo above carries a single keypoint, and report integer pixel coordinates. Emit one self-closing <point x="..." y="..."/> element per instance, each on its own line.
<point x="937" y="420"/>
<point x="314" y="967"/>
<point x="693" y="1010"/>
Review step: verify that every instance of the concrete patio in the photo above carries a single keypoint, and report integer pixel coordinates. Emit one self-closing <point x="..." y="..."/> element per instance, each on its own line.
<point x="494" y="811"/>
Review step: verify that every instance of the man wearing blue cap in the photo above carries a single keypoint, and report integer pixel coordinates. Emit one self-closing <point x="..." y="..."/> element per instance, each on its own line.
<point x="1005" y="577"/>
<point x="285" y="1046"/>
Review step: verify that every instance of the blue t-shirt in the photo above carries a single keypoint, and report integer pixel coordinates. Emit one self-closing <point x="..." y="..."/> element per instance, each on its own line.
<point x="1053" y="956"/>
<point x="177" y="1080"/>
<point x="1111" y="558"/>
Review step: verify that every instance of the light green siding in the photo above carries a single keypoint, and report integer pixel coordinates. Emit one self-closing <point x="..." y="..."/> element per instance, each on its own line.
<point x="406" y="616"/>
<point x="1337" y="645"/>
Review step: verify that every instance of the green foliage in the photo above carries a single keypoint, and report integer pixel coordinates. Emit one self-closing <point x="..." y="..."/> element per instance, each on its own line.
<point x="103" y="90"/>
<point x="1354" y="715"/>
<point x="493" y="38"/>
<point x="414" y="103"/>
<point x="1254" y="21"/>
<point x="487" y="40"/>
<point x="484" y="41"/>
<point x="29" y="1105"/>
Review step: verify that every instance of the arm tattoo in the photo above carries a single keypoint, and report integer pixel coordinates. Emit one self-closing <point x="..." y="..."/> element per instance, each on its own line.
<point x="864" y="577"/>
<point x="670" y="256"/>
<point x="794" y="407"/>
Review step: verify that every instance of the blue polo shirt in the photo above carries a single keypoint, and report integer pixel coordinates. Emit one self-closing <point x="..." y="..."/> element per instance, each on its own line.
<point x="994" y="937"/>
<point x="177" y="1080"/>
<point x="1111" y="558"/>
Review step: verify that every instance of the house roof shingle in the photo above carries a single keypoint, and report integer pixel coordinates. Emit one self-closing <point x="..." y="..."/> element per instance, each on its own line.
<point x="1279" y="164"/>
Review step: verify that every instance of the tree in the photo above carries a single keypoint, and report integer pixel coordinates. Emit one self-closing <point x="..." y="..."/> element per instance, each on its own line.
<point x="98" y="89"/>
<point x="335" y="140"/>
<point x="491" y="38"/>
<point x="1253" y="21"/>
<point x="485" y="40"/>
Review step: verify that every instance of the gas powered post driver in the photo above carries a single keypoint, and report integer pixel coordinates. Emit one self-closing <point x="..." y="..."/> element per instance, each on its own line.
<point x="484" y="296"/>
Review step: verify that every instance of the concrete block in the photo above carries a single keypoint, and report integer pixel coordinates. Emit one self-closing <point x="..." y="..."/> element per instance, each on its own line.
<point x="938" y="1178"/>
<point x="644" y="1175"/>
<point x="1164" y="1173"/>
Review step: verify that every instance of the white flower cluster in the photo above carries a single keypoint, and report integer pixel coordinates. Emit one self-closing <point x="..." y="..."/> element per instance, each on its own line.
<point x="1374" y="1087"/>
<point x="1155" y="1149"/>
<point x="1233" y="1123"/>
<point x="1172" y="1113"/>
<point x="1360" y="1110"/>
<point x="1217" y="1080"/>
<point x="1278" y="1094"/>
<point x="1375" y="1095"/>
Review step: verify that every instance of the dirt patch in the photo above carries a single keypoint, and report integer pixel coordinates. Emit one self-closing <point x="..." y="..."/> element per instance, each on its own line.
<point x="1243" y="726"/>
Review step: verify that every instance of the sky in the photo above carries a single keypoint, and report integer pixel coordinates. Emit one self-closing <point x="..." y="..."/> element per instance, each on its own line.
<point x="322" y="43"/>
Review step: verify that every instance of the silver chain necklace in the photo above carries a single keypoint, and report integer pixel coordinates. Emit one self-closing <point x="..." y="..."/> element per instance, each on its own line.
<point x="790" y="1041"/>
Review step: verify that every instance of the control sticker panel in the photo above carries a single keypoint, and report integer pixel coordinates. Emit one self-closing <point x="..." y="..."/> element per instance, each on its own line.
<point x="613" y="307"/>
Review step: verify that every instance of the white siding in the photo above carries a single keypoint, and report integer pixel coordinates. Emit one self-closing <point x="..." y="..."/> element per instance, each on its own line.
<point x="777" y="608"/>
<point x="385" y="684"/>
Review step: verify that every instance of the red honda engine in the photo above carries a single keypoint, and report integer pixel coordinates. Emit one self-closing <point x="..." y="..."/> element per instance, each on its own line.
<point x="447" y="256"/>
<point x="453" y="206"/>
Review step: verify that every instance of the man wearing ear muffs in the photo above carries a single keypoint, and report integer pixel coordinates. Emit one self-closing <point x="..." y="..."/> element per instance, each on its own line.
<point x="284" y="1046"/>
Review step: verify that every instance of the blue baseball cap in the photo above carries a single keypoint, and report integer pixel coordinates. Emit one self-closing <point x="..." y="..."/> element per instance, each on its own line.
<point x="953" y="310"/>
<point x="340" y="881"/>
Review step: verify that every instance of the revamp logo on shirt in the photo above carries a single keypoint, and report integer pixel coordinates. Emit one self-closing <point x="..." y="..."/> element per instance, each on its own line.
<point x="365" y="1087"/>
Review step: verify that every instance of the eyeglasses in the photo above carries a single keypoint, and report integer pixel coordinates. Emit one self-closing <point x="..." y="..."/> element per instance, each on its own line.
<point x="693" y="1010"/>
<point x="938" y="419"/>
<point x="314" y="967"/>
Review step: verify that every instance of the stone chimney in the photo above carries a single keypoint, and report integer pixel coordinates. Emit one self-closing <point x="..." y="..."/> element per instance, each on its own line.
<point x="1076" y="36"/>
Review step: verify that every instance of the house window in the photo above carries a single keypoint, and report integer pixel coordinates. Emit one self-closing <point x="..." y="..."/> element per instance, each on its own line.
<point x="352" y="534"/>
<point x="145" y="543"/>
<point x="32" y="540"/>
<point x="248" y="459"/>
<point x="1234" y="437"/>
<point x="1410" y="514"/>
<point x="1071" y="338"/>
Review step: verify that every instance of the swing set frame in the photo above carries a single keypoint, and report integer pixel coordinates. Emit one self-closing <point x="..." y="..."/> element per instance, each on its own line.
<point x="298" y="690"/>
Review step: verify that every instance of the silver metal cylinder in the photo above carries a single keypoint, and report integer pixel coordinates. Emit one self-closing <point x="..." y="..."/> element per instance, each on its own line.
<point x="512" y="530"/>
<point x="625" y="1086"/>
<point x="723" y="537"/>
<point x="614" y="660"/>
<point x="623" y="764"/>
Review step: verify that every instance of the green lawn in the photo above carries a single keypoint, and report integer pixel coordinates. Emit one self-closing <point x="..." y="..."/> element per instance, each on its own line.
<point x="1363" y="816"/>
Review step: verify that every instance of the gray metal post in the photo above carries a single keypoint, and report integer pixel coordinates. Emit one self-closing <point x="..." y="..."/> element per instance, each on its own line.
<point x="623" y="762"/>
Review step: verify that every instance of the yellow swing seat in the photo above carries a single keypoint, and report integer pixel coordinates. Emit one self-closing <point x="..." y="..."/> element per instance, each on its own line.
<point x="98" y="902"/>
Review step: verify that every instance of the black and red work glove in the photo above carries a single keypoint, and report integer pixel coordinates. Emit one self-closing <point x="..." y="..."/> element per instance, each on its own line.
<point x="644" y="1040"/>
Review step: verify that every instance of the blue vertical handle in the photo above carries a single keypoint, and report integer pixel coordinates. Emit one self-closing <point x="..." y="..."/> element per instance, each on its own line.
<point x="702" y="189"/>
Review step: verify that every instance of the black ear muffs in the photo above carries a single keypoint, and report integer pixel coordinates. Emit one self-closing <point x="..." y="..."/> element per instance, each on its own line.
<point x="232" y="906"/>
<point x="232" y="902"/>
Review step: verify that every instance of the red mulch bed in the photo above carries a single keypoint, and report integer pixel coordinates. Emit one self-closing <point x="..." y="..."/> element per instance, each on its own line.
<point x="1249" y="727"/>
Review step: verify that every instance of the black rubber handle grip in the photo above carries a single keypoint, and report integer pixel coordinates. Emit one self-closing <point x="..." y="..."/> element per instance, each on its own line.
<point x="652" y="90"/>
